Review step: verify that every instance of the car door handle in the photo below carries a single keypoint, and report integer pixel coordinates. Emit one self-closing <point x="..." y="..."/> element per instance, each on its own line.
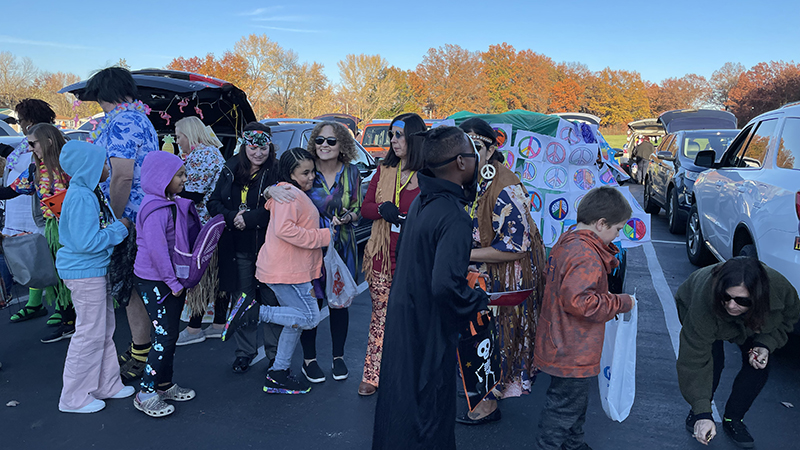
<point x="719" y="184"/>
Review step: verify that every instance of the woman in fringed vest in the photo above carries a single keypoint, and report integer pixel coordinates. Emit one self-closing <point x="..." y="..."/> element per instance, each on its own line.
<point x="388" y="198"/>
<point x="508" y="248"/>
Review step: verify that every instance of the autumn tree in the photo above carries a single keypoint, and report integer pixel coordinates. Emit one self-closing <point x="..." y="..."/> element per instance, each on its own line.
<point x="689" y="91"/>
<point x="404" y="100"/>
<point x="230" y="67"/>
<point x="16" y="78"/>
<point x="449" y="80"/>
<point x="723" y="80"/>
<point x="617" y="96"/>
<point x="46" y="87"/>
<point x="366" y="87"/>
<point x="517" y="80"/>
<point x="261" y="55"/>
<point x="569" y="91"/>
<point x="766" y="86"/>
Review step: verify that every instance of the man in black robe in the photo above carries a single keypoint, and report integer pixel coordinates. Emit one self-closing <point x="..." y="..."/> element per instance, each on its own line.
<point x="430" y="297"/>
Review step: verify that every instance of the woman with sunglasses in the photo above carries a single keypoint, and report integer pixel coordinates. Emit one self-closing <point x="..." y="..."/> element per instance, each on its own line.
<point x="506" y="248"/>
<point x="336" y="193"/>
<point x="740" y="301"/>
<point x="238" y="197"/>
<point x="390" y="193"/>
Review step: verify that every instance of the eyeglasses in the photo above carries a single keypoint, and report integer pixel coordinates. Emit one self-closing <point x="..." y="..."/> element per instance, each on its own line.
<point x="397" y="134"/>
<point x="321" y="140"/>
<point x="741" y="301"/>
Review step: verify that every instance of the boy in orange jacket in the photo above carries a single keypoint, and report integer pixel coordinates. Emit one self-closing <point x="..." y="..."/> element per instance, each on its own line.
<point x="575" y="308"/>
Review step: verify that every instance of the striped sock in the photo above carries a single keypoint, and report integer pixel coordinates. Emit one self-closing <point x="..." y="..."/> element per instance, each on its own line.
<point x="139" y="352"/>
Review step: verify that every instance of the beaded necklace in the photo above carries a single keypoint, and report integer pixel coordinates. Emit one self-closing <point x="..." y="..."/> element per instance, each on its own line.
<point x="138" y="105"/>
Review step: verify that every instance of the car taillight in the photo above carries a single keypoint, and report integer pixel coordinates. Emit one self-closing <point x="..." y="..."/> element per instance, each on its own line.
<point x="797" y="205"/>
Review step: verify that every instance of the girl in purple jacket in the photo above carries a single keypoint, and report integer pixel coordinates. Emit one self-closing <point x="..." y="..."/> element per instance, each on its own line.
<point x="163" y="176"/>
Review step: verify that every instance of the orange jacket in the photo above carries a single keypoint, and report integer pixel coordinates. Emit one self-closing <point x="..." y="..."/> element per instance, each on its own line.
<point x="291" y="252"/>
<point x="576" y="306"/>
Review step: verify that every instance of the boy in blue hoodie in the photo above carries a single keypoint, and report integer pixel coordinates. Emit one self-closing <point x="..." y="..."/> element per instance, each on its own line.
<point x="163" y="177"/>
<point x="88" y="232"/>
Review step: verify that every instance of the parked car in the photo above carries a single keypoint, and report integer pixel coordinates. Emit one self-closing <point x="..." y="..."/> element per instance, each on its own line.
<point x="375" y="136"/>
<point x="351" y="122"/>
<point x="8" y="135"/>
<point x="749" y="203"/>
<point x="289" y="133"/>
<point x="696" y="119"/>
<point x="671" y="173"/>
<point x="223" y="106"/>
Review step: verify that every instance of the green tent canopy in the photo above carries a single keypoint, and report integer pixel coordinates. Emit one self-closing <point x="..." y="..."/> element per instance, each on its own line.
<point x="518" y="118"/>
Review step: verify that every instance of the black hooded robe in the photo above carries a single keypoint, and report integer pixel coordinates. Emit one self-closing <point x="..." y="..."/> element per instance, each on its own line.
<point x="430" y="297"/>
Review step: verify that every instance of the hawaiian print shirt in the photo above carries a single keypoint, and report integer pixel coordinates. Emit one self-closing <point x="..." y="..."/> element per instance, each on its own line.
<point x="129" y="135"/>
<point x="203" y="166"/>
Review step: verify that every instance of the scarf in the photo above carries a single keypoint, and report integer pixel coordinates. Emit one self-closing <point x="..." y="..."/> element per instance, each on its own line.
<point x="380" y="240"/>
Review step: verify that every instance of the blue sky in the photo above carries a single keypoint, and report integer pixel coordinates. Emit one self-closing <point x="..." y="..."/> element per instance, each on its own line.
<point x="657" y="39"/>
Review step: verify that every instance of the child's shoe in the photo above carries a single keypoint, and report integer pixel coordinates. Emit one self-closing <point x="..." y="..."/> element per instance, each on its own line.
<point x="177" y="394"/>
<point x="281" y="382"/>
<point x="153" y="406"/>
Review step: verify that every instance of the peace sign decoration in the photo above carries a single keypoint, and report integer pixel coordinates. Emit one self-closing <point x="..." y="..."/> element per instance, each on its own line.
<point x="555" y="153"/>
<point x="584" y="179"/>
<point x="559" y="208"/>
<point x="582" y="156"/>
<point x="555" y="177"/>
<point x="529" y="146"/>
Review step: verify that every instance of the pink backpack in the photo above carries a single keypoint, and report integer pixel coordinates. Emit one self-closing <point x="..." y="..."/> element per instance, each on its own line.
<point x="192" y="254"/>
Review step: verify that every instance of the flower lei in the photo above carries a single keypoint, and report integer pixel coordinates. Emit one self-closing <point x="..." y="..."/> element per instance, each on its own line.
<point x="23" y="148"/>
<point x="138" y="105"/>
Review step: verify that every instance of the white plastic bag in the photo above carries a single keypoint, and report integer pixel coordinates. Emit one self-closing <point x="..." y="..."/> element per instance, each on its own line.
<point x="340" y="287"/>
<point x="617" y="379"/>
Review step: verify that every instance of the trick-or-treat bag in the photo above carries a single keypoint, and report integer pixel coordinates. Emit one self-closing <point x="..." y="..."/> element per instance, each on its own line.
<point x="479" y="357"/>
<point x="30" y="261"/>
<point x="617" y="379"/>
<point x="340" y="287"/>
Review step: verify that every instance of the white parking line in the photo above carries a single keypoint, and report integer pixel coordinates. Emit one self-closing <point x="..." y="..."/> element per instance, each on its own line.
<point x="668" y="305"/>
<point x="656" y="241"/>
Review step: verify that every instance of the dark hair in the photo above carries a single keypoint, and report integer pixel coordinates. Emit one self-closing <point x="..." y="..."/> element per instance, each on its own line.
<point x="35" y="111"/>
<point x="415" y="159"/>
<point x="242" y="174"/>
<point x="482" y="128"/>
<point x="112" y="85"/>
<point x="604" y="203"/>
<point x="347" y="144"/>
<point x="289" y="161"/>
<point x="747" y="271"/>
<point x="442" y="143"/>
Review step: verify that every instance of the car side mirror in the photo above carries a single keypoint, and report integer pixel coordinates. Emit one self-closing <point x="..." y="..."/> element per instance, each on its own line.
<point x="705" y="158"/>
<point x="666" y="156"/>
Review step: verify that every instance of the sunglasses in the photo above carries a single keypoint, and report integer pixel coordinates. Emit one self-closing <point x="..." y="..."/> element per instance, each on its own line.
<point x="398" y="134"/>
<point x="741" y="301"/>
<point x="321" y="140"/>
<point x="32" y="143"/>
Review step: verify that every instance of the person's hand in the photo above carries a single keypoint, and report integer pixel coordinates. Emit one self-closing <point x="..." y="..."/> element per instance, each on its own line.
<point x="335" y="222"/>
<point x="390" y="213"/>
<point x="125" y="222"/>
<point x="178" y="294"/>
<point x="758" y="357"/>
<point x="238" y="221"/>
<point x="281" y="194"/>
<point x="704" y="431"/>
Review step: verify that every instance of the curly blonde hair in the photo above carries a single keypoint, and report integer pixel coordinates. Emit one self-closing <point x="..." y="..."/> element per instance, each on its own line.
<point x="347" y="144"/>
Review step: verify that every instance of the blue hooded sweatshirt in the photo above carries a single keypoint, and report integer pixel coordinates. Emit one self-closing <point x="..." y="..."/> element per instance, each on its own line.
<point x="87" y="247"/>
<point x="155" y="225"/>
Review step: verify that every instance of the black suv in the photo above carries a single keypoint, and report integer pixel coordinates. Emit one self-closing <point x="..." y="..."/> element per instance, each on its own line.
<point x="290" y="133"/>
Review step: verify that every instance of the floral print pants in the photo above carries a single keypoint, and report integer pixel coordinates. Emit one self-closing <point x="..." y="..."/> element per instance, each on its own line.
<point x="164" y="310"/>
<point x="379" y="291"/>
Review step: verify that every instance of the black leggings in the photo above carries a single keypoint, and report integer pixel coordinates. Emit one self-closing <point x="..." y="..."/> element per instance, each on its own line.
<point x="340" y="322"/>
<point x="747" y="384"/>
<point x="164" y="310"/>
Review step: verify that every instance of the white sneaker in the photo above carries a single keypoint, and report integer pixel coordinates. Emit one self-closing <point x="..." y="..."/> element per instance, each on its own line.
<point x="94" y="406"/>
<point x="125" y="392"/>
<point x="186" y="338"/>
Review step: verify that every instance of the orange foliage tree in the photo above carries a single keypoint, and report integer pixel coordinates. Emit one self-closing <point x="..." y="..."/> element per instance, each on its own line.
<point x="447" y="81"/>
<point x="517" y="80"/>
<point x="689" y="91"/>
<point x="766" y="86"/>
<point x="617" y="96"/>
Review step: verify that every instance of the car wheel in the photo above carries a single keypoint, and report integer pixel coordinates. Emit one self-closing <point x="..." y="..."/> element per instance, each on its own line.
<point x="749" y="250"/>
<point x="696" y="249"/>
<point x="676" y="223"/>
<point x="650" y="207"/>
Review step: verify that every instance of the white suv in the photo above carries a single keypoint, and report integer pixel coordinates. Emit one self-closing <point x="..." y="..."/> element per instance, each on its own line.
<point x="749" y="203"/>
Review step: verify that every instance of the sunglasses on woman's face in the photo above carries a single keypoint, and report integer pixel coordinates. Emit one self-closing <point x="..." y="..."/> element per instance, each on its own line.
<point x="321" y="140"/>
<point x="741" y="301"/>
<point x="397" y="134"/>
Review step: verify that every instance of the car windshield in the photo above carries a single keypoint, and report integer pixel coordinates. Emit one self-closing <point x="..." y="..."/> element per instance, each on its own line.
<point x="717" y="141"/>
<point x="376" y="136"/>
<point x="281" y="139"/>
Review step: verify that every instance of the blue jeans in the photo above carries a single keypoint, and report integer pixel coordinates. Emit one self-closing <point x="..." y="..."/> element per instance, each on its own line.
<point x="298" y="311"/>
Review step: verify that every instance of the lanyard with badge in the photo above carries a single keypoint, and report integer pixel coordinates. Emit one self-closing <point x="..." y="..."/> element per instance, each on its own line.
<point x="398" y="187"/>
<point x="245" y="189"/>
